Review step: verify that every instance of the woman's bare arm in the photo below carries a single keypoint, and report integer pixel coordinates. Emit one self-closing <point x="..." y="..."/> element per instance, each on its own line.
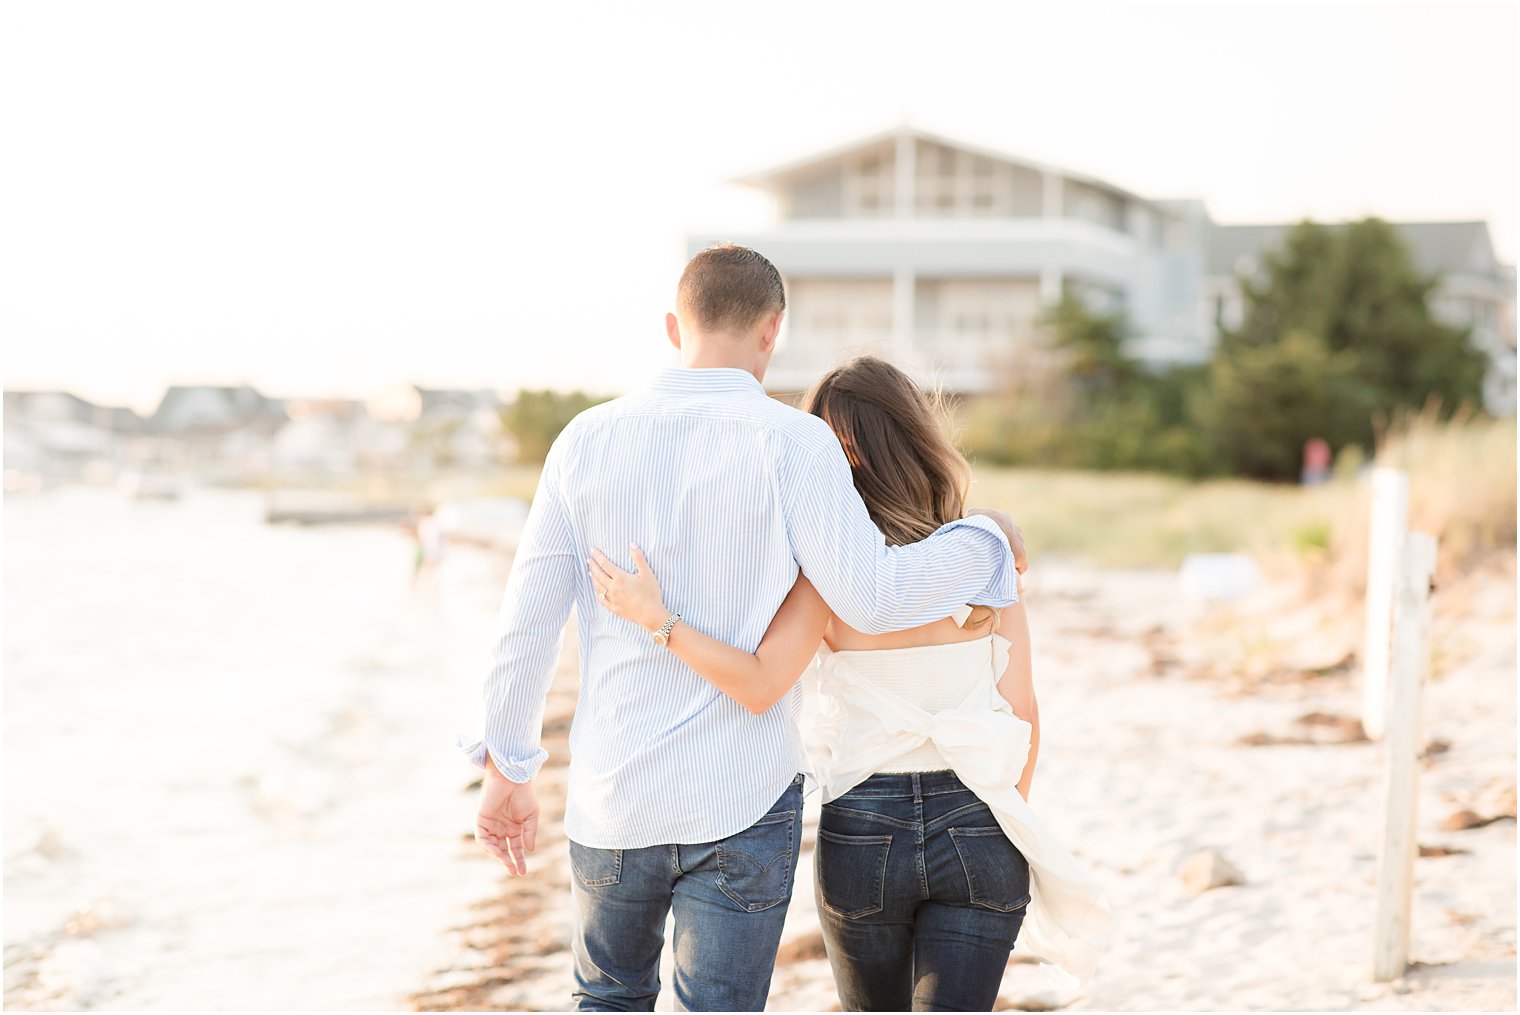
<point x="1017" y="683"/>
<point x="756" y="681"/>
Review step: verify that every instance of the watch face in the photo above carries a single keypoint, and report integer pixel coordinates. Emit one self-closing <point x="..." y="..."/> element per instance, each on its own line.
<point x="662" y="636"/>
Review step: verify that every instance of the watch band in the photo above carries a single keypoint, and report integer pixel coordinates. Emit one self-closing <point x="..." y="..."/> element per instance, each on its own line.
<point x="662" y="636"/>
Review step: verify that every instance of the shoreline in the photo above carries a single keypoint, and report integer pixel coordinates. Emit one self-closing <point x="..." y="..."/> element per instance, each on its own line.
<point x="234" y="789"/>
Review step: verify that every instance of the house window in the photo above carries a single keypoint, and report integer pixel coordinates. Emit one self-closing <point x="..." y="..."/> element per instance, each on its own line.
<point x="870" y="185"/>
<point x="951" y="182"/>
<point x="834" y="318"/>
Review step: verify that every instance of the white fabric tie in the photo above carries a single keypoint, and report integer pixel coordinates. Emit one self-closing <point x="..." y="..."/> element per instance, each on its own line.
<point x="865" y="727"/>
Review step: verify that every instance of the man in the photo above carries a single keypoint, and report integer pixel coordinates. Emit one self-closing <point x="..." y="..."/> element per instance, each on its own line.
<point x="680" y="800"/>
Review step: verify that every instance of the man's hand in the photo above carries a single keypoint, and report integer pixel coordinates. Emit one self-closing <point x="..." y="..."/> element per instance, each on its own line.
<point x="507" y="823"/>
<point x="1012" y="531"/>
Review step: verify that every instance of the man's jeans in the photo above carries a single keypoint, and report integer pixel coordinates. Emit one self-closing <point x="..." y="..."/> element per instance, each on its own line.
<point x="920" y="894"/>
<point x="729" y="898"/>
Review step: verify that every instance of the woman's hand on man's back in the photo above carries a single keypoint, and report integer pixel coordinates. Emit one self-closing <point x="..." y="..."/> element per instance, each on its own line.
<point x="1013" y="532"/>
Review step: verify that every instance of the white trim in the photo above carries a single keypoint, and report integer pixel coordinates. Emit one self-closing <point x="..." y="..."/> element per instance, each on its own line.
<point x="903" y="283"/>
<point x="767" y="177"/>
<point x="907" y="173"/>
<point x="916" y="230"/>
<point x="1051" y="284"/>
<point x="1053" y="200"/>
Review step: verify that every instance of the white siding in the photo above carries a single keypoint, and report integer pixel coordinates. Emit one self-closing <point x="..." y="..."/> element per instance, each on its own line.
<point x="830" y="320"/>
<point x="976" y="324"/>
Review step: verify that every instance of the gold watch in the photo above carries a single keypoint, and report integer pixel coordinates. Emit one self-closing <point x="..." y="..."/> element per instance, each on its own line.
<point x="662" y="636"/>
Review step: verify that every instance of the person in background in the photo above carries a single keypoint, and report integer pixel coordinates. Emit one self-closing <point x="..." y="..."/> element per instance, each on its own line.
<point x="427" y="553"/>
<point x="1316" y="461"/>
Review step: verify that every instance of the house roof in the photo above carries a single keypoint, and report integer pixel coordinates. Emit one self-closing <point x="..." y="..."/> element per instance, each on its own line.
<point x="1438" y="248"/>
<point x="56" y="404"/>
<point x="765" y="177"/>
<point x="18" y="400"/>
<point x="211" y="407"/>
<point x="433" y="399"/>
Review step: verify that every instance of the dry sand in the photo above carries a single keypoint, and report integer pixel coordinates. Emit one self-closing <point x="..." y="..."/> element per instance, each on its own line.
<point x="1170" y="730"/>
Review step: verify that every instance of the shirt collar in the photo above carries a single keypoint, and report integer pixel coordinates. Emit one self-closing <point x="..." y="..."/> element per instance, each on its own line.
<point x="707" y="380"/>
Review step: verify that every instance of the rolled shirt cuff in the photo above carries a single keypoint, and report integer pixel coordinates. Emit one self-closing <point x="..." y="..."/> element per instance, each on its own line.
<point x="516" y="769"/>
<point x="1003" y="589"/>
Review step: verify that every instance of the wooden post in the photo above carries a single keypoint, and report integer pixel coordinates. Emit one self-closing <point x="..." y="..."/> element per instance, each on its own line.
<point x="1385" y="544"/>
<point x="1411" y="660"/>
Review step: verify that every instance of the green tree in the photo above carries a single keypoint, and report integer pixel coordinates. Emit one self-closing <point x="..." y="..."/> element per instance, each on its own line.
<point x="1092" y="346"/>
<point x="1384" y="318"/>
<point x="1103" y="411"/>
<point x="1264" y="401"/>
<point x="535" y="418"/>
<point x="1337" y="333"/>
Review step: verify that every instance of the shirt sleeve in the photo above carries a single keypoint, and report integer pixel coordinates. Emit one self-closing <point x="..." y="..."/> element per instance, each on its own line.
<point x="874" y="587"/>
<point x="529" y="630"/>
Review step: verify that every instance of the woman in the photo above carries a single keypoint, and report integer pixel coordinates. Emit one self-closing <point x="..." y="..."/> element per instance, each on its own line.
<point x="928" y="856"/>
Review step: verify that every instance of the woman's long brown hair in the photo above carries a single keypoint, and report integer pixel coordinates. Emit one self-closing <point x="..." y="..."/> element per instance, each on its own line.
<point x="912" y="478"/>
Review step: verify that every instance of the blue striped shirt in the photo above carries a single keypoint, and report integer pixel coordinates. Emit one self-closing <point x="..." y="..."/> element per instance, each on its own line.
<point x="727" y="492"/>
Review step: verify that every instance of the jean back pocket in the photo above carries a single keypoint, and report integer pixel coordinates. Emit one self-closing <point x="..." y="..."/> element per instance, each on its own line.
<point x="852" y="873"/>
<point x="997" y="875"/>
<point x="596" y="868"/>
<point x="755" y="866"/>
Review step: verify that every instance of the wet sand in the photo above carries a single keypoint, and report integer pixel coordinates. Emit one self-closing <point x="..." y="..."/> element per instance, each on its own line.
<point x="228" y="778"/>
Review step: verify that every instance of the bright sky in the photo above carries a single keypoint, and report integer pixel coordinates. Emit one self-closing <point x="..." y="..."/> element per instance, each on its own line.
<point x="334" y="197"/>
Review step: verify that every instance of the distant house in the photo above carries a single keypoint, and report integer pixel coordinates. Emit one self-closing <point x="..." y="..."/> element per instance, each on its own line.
<point x="459" y="427"/>
<point x="202" y="411"/>
<point x="226" y="428"/>
<point x="442" y="426"/>
<point x="57" y="406"/>
<point x="943" y="255"/>
<point x="455" y="402"/>
<point x="325" y="434"/>
<point x="59" y="426"/>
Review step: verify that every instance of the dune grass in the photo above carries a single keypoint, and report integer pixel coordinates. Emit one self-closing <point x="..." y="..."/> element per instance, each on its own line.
<point x="1462" y="490"/>
<point x="1462" y="480"/>
<point x="1145" y="520"/>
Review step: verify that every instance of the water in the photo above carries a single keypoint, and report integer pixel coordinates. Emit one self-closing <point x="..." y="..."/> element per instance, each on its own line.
<point x="229" y="777"/>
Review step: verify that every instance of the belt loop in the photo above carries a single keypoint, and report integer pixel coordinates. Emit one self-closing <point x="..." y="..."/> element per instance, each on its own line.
<point x="918" y="795"/>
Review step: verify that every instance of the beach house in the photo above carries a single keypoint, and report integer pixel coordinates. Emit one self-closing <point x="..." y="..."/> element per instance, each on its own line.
<point x="943" y="256"/>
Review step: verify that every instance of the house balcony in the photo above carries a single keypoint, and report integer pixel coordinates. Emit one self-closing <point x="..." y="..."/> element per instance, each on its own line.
<point x="967" y="248"/>
<point x="955" y="362"/>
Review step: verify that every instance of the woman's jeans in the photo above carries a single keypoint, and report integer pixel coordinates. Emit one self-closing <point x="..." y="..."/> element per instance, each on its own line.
<point x="729" y="901"/>
<point x="920" y="893"/>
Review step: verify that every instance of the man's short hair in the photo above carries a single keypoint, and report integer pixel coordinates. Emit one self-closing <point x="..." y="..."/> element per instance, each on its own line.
<point x="727" y="288"/>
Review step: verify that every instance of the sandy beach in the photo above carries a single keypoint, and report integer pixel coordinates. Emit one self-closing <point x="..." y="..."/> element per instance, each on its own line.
<point x="242" y="793"/>
<point x="1170" y="729"/>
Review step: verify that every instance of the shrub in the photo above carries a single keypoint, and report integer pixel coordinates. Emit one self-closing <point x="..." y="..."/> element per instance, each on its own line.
<point x="535" y="418"/>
